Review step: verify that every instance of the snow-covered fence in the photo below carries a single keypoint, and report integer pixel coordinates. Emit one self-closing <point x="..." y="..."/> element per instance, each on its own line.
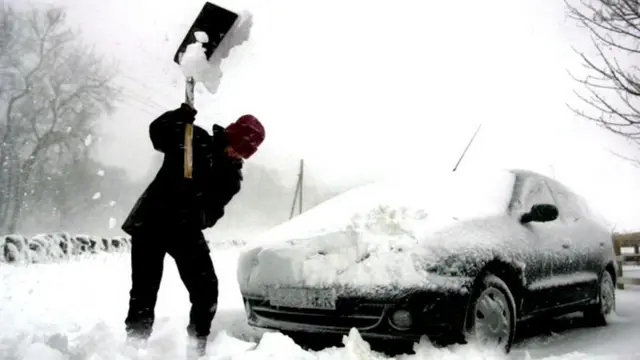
<point x="45" y="248"/>
<point x="625" y="241"/>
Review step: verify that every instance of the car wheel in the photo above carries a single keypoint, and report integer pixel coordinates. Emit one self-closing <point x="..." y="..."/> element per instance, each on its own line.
<point x="491" y="314"/>
<point x="600" y="313"/>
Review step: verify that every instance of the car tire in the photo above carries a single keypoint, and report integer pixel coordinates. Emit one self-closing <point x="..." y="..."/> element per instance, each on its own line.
<point x="600" y="313"/>
<point x="492" y="303"/>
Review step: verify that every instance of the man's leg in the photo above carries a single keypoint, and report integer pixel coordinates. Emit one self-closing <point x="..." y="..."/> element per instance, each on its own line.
<point x="147" y="260"/>
<point x="199" y="277"/>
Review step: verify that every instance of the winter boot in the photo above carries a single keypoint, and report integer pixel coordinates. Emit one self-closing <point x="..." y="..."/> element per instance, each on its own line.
<point x="196" y="347"/>
<point x="135" y="341"/>
<point x="135" y="346"/>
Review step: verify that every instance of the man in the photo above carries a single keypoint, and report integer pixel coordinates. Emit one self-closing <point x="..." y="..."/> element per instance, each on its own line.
<point x="170" y="215"/>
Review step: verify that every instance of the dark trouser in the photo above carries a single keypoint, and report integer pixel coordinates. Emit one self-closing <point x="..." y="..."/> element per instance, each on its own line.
<point x="191" y="254"/>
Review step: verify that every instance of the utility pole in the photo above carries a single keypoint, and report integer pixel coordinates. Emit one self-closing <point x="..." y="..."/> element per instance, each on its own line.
<point x="301" y="185"/>
<point x="297" y="198"/>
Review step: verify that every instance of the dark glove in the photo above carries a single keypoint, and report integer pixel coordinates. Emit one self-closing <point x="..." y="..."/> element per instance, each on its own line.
<point x="187" y="113"/>
<point x="210" y="218"/>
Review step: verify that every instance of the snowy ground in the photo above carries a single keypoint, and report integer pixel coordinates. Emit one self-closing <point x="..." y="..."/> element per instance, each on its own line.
<point x="85" y="301"/>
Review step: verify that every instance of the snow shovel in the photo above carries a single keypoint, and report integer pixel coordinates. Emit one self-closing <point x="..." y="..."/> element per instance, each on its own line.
<point x="215" y="22"/>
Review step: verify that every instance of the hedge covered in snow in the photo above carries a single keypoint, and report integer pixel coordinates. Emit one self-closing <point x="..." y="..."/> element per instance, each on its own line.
<point x="45" y="248"/>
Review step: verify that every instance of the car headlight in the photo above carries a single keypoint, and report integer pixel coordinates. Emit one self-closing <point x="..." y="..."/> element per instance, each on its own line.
<point x="401" y="319"/>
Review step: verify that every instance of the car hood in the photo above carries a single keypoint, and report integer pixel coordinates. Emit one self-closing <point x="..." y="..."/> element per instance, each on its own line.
<point x="366" y="263"/>
<point x="389" y="235"/>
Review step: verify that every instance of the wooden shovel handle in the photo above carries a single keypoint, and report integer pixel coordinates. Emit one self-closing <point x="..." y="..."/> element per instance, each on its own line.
<point x="188" y="131"/>
<point x="188" y="151"/>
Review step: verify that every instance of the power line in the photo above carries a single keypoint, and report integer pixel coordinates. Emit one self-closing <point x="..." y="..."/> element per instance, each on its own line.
<point x="140" y="107"/>
<point x="145" y="102"/>
<point x="141" y="83"/>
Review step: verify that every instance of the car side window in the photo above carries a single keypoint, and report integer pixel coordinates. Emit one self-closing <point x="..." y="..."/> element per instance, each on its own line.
<point x="538" y="194"/>
<point x="530" y="190"/>
<point x="570" y="206"/>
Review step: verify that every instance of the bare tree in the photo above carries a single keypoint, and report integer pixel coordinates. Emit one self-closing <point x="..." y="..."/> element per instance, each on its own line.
<point x="53" y="91"/>
<point x="612" y="86"/>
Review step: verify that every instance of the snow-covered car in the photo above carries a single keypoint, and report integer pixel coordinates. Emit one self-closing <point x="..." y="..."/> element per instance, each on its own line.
<point x="462" y="257"/>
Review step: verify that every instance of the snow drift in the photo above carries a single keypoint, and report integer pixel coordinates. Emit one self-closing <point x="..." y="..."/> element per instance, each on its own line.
<point x="101" y="344"/>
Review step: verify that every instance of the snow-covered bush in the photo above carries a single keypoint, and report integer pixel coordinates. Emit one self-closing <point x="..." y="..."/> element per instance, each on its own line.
<point x="120" y="243"/>
<point x="11" y="253"/>
<point x="53" y="247"/>
<point x="226" y="244"/>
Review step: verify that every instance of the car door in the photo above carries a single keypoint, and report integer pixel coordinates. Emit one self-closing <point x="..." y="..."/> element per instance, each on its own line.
<point x="544" y="245"/>
<point x="580" y="262"/>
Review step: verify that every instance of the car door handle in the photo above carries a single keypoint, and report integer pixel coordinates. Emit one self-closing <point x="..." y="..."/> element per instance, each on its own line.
<point x="602" y="243"/>
<point x="565" y="246"/>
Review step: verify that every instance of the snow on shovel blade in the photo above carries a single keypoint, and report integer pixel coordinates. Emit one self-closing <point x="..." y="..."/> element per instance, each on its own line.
<point x="215" y="22"/>
<point x="209" y="42"/>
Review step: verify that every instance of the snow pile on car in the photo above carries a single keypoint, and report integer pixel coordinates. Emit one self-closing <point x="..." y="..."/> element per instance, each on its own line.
<point x="379" y="237"/>
<point x="45" y="248"/>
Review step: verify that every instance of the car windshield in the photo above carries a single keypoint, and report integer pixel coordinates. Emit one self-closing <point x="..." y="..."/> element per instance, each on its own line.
<point x="418" y="200"/>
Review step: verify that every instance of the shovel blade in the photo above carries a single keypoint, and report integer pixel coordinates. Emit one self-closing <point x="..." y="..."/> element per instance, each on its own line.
<point x="213" y="20"/>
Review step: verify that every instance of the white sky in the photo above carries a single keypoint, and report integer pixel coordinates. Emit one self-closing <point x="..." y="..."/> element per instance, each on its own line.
<point x="362" y="88"/>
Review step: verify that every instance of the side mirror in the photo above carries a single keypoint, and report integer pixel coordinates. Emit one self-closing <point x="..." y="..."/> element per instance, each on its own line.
<point x="540" y="213"/>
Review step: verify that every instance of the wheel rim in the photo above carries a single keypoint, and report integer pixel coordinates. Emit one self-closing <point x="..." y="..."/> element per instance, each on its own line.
<point x="607" y="293"/>
<point x="492" y="317"/>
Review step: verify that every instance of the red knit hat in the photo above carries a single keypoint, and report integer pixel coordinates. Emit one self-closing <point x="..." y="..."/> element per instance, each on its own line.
<point x="245" y="135"/>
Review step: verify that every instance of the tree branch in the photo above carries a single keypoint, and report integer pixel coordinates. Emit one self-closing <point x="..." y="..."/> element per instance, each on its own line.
<point x="613" y="88"/>
<point x="59" y="89"/>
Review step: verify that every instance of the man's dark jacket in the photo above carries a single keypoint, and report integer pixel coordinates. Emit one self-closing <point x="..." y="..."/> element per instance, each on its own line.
<point x="172" y="203"/>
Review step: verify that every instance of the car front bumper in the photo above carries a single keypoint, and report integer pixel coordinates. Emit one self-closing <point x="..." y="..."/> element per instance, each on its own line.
<point x="433" y="314"/>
